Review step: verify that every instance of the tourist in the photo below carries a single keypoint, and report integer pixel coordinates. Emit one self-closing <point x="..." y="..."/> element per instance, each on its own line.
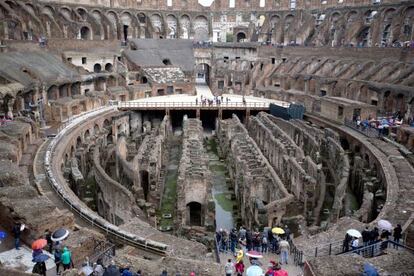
<point x="233" y="241"/>
<point x="224" y="241"/>
<point x="66" y="259"/>
<point x="256" y="240"/>
<point x="345" y="244"/>
<point x="254" y="269"/>
<point x="279" y="271"/>
<point x="275" y="243"/>
<point x="239" y="268"/>
<point x="270" y="271"/>
<point x="369" y="270"/>
<point x="385" y="234"/>
<point x="374" y="235"/>
<point x="284" y="251"/>
<point x="48" y="237"/>
<point x="249" y="241"/>
<point x="196" y="101"/>
<point x="164" y="273"/>
<point x="242" y="233"/>
<point x="112" y="270"/>
<point x="140" y="274"/>
<point x="354" y="244"/>
<point x="287" y="232"/>
<point x="98" y="269"/>
<point x="264" y="243"/>
<point x="40" y="268"/>
<point x="366" y="235"/>
<point x="127" y="272"/>
<point x="57" y="255"/>
<point x="17" y="232"/>
<point x="397" y="234"/>
<point x="192" y="274"/>
<point x="228" y="268"/>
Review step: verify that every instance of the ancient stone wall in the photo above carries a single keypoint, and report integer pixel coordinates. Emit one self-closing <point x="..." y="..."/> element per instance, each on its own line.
<point x="332" y="25"/>
<point x="287" y="159"/>
<point x="258" y="188"/>
<point x="195" y="205"/>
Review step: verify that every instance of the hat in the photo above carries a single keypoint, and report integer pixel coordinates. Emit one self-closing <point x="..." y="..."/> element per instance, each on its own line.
<point x="192" y="274"/>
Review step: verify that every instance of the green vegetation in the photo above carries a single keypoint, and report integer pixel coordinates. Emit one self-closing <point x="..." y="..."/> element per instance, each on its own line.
<point x="168" y="200"/>
<point x="224" y="201"/>
<point x="212" y="146"/>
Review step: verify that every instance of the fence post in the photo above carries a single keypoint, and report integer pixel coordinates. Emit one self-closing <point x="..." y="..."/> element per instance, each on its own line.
<point x="330" y="249"/>
<point x="316" y="252"/>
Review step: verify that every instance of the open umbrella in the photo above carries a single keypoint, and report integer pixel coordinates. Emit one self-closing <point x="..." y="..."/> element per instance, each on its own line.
<point x="87" y="270"/>
<point x="354" y="233"/>
<point x="278" y="231"/>
<point x="384" y="224"/>
<point x="40" y="258"/>
<point x="60" y="234"/>
<point x="254" y="254"/>
<point x="3" y="235"/>
<point x="39" y="244"/>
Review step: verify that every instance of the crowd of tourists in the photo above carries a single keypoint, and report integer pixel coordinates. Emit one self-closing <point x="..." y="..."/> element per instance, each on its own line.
<point x="253" y="244"/>
<point x="264" y="241"/>
<point x="370" y="237"/>
<point x="216" y="100"/>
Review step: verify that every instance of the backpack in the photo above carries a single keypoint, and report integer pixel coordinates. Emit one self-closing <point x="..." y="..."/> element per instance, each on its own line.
<point x="264" y="240"/>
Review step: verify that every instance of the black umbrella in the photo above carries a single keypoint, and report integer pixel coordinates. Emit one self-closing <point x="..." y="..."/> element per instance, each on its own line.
<point x="60" y="234"/>
<point x="40" y="258"/>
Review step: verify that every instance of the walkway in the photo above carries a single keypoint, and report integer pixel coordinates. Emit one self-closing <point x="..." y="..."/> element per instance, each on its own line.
<point x="292" y="269"/>
<point x="204" y="90"/>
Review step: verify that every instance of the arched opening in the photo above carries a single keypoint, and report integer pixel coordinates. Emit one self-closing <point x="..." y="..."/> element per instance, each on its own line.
<point x="78" y="142"/>
<point x="241" y="37"/>
<point x="85" y="33"/>
<point x="53" y="93"/>
<point x="144" y="79"/>
<point x="386" y="33"/>
<point x="363" y="37"/>
<point x="108" y="67"/>
<point x="203" y="73"/>
<point x="166" y="61"/>
<point x="144" y="177"/>
<point x="194" y="210"/>
<point x="87" y="135"/>
<point x="97" y="68"/>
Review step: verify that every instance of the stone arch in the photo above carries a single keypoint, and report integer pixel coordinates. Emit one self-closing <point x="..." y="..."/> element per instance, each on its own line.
<point x="194" y="213"/>
<point x="142" y="18"/>
<point x="274" y="21"/>
<point x="83" y="13"/>
<point x="200" y="28"/>
<point x="78" y="142"/>
<point x="52" y="93"/>
<point x="96" y="129"/>
<point x="127" y="22"/>
<point x="113" y="20"/>
<point x="185" y="25"/>
<point x="66" y="13"/>
<point x="157" y="25"/>
<point x="85" y="33"/>
<point x="363" y="37"/>
<point x="241" y="36"/>
<point x="87" y="135"/>
<point x="172" y="24"/>
<point x="108" y="67"/>
<point x="97" y="68"/>
<point x="388" y="14"/>
<point x="352" y="16"/>
<point x="335" y="17"/>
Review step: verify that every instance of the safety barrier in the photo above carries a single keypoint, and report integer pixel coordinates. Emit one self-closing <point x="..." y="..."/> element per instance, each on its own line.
<point x="76" y="207"/>
<point x="194" y="105"/>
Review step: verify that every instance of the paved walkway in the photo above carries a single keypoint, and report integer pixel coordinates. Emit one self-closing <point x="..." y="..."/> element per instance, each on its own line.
<point x="204" y="90"/>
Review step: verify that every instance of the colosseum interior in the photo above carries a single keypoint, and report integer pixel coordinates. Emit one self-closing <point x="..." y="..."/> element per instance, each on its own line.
<point x="144" y="128"/>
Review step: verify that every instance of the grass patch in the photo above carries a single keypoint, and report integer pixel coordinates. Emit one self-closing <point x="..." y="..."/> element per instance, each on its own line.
<point x="212" y="146"/>
<point x="217" y="168"/>
<point x="224" y="201"/>
<point x="168" y="200"/>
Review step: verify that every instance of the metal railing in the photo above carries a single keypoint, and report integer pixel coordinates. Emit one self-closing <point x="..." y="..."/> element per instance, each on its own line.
<point x="91" y="217"/>
<point x="194" y="105"/>
<point x="104" y="251"/>
<point x="377" y="248"/>
<point x="367" y="131"/>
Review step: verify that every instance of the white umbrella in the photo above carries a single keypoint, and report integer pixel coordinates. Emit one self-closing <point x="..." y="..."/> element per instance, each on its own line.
<point x="60" y="235"/>
<point x="87" y="270"/>
<point x="354" y="233"/>
<point x="384" y="224"/>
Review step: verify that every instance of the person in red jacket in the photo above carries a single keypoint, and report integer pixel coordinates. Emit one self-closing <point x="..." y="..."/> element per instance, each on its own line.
<point x="279" y="271"/>
<point x="239" y="268"/>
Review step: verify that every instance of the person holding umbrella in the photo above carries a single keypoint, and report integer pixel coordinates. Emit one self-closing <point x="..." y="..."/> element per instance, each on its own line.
<point x="254" y="269"/>
<point x="40" y="266"/>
